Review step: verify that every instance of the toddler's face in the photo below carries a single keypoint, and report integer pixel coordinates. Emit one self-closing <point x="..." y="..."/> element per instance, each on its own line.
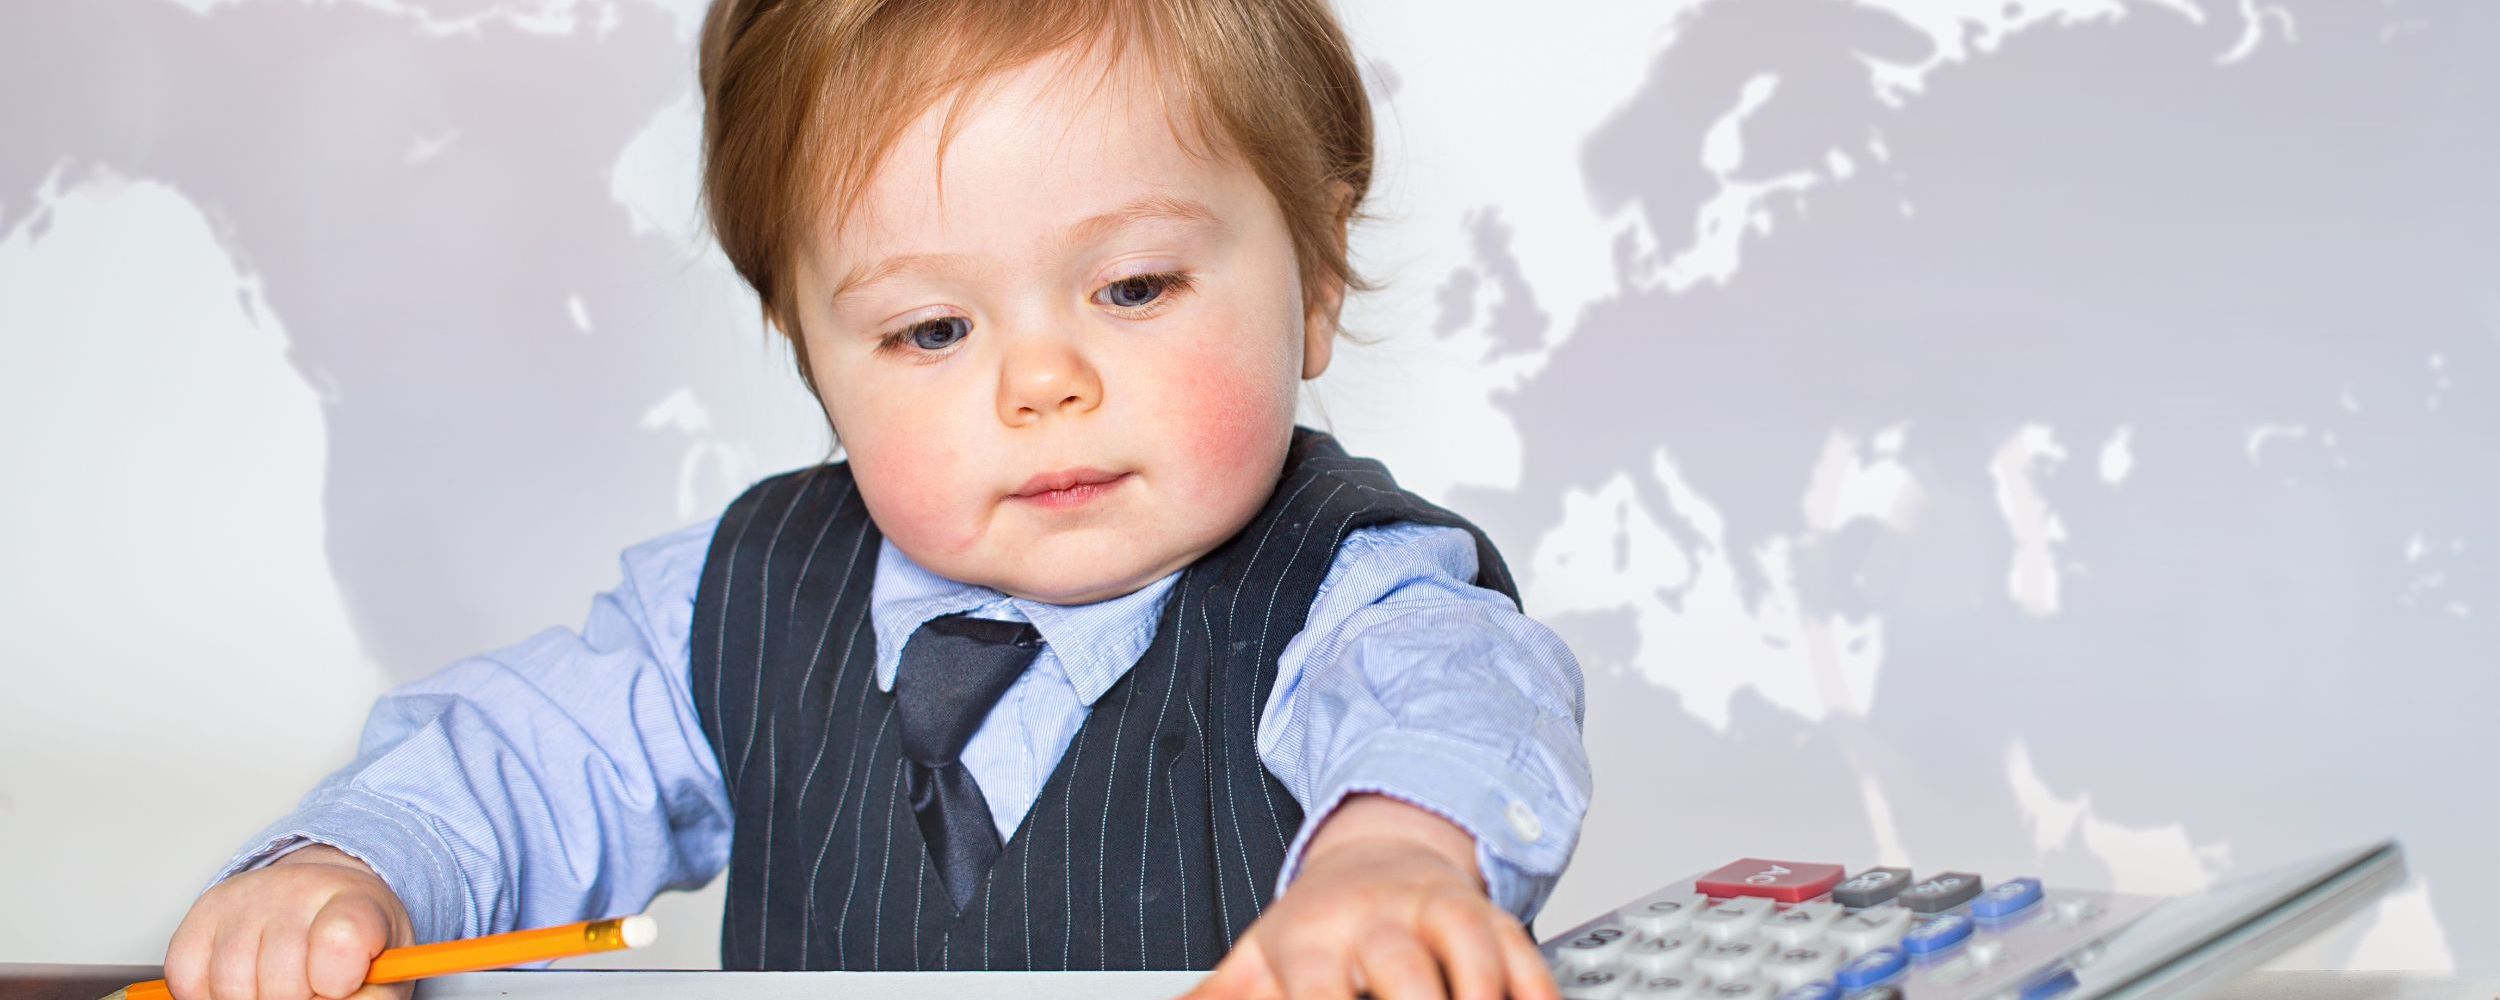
<point x="1020" y="330"/>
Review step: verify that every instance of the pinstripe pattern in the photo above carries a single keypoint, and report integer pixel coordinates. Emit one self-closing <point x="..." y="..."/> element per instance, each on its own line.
<point x="1169" y="750"/>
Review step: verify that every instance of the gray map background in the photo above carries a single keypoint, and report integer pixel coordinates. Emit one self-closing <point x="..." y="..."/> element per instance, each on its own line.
<point x="2044" y="436"/>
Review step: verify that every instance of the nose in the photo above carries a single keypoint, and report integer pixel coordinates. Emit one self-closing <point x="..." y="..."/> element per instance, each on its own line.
<point x="1045" y="376"/>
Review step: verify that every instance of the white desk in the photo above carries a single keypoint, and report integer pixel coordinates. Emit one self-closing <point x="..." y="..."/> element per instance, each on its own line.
<point x="590" y="985"/>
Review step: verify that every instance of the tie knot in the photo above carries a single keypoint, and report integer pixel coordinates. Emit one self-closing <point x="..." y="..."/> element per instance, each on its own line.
<point x="953" y="671"/>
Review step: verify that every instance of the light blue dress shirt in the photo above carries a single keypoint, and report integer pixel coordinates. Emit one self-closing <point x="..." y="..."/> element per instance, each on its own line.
<point x="567" y="777"/>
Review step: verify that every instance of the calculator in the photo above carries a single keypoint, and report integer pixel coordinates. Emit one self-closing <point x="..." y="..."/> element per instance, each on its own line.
<point x="1770" y="929"/>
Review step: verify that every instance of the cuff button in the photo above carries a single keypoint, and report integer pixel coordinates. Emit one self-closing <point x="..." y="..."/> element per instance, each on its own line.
<point x="1523" y="822"/>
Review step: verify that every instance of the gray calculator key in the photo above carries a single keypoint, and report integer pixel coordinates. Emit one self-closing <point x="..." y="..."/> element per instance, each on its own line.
<point x="1659" y="956"/>
<point x="1729" y="960"/>
<point x="1664" y="914"/>
<point x="1801" y="923"/>
<point x="1592" y="948"/>
<point x="1667" y="987"/>
<point x="1789" y="968"/>
<point x="1740" y="988"/>
<point x="1733" y="918"/>
<point x="1941" y="892"/>
<point x="1595" y="984"/>
<point x="1871" y="887"/>
<point x="1869" y="929"/>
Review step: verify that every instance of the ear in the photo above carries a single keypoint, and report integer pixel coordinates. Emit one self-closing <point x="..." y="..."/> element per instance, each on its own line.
<point x="1324" y="298"/>
<point x="1319" y="324"/>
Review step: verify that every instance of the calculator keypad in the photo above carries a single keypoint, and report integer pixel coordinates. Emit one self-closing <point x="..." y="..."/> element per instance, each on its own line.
<point x="1780" y="881"/>
<point x="1663" y="955"/>
<point x="1758" y="928"/>
<point x="1802" y="964"/>
<point x="1940" y="893"/>
<point x="1663" y="914"/>
<point x="1667" y="987"/>
<point x="1867" y="930"/>
<point x="1733" y="919"/>
<point x="1730" y="959"/>
<point x="1595" y="947"/>
<point x="1872" y="887"/>
<point x="1801" y="923"/>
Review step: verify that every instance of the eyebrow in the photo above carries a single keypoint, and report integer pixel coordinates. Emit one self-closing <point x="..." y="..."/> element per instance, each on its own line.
<point x="1150" y="208"/>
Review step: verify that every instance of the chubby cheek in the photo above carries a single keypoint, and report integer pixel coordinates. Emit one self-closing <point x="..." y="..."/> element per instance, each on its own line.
<point x="1222" y="413"/>
<point x="913" y="483"/>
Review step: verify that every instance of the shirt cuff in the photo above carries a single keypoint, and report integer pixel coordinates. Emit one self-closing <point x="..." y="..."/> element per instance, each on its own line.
<point x="398" y="843"/>
<point x="1524" y="833"/>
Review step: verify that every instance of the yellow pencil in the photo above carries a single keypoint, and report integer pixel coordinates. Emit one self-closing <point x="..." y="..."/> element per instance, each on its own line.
<point x="494" y="951"/>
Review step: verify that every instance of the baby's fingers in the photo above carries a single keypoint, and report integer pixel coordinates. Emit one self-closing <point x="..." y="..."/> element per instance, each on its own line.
<point x="1314" y="965"/>
<point x="281" y="968"/>
<point x="1396" y="967"/>
<point x="1242" y="975"/>
<point x="233" y="963"/>
<point x="343" y="938"/>
<point x="1530" y="979"/>
<point x="1470" y="953"/>
<point x="186" y="957"/>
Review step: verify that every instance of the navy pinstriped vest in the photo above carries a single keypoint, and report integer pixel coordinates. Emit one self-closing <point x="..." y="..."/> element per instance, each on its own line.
<point x="1153" y="844"/>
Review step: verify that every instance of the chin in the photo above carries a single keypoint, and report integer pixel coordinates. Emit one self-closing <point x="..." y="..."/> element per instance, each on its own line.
<point x="1067" y="590"/>
<point x="1079" y="577"/>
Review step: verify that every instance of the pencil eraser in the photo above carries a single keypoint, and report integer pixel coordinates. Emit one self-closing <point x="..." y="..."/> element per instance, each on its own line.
<point x="640" y="930"/>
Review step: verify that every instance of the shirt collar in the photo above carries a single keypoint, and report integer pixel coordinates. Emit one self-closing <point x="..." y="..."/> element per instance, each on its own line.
<point x="1096" y="643"/>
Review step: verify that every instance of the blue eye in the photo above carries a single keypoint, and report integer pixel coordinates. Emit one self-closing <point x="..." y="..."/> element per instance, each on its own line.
<point x="1143" y="290"/>
<point x="939" y="334"/>
<point x="1131" y="293"/>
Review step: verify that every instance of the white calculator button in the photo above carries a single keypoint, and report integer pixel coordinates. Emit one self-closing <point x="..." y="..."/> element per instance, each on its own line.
<point x="1658" y="956"/>
<point x="1659" y="915"/>
<point x="1729" y="960"/>
<point x="1591" y="948"/>
<point x="1733" y="918"/>
<point x="2075" y="911"/>
<point x="1595" y="984"/>
<point x="1735" y="988"/>
<point x="1672" y="986"/>
<point x="1974" y="959"/>
<point x="1869" y="929"/>
<point x="1789" y="968"/>
<point x="1801" y="923"/>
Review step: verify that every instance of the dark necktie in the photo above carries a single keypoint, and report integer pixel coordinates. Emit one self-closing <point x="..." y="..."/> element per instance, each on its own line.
<point x="954" y="669"/>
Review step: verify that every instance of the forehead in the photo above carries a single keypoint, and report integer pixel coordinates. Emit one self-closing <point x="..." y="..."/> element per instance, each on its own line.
<point x="1033" y="150"/>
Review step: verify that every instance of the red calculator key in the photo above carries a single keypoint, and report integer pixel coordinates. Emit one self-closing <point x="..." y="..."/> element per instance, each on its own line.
<point x="1783" y="881"/>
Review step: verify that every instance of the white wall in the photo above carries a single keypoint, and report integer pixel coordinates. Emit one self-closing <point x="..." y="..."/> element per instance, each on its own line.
<point x="2051" y="436"/>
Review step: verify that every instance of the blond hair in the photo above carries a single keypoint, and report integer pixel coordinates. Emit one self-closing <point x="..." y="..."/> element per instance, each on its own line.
<point x="801" y="98"/>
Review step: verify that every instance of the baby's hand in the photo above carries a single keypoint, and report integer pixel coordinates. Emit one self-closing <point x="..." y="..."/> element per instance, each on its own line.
<point x="1388" y="904"/>
<point x="308" y="924"/>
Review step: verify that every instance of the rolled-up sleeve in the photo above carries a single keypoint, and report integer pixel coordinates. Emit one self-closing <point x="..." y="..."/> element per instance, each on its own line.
<point x="563" y="778"/>
<point x="1409" y="681"/>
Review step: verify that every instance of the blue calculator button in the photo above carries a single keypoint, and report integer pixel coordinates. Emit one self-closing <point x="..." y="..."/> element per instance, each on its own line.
<point x="1937" y="934"/>
<point x="1871" y="968"/>
<point x="1813" y="991"/>
<point x="2049" y="984"/>
<point x="2006" y="899"/>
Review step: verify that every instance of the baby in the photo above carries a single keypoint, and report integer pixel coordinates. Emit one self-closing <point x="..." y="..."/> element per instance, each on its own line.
<point x="1086" y="657"/>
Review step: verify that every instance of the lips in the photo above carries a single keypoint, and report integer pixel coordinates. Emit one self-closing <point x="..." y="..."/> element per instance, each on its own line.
<point x="1065" y="479"/>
